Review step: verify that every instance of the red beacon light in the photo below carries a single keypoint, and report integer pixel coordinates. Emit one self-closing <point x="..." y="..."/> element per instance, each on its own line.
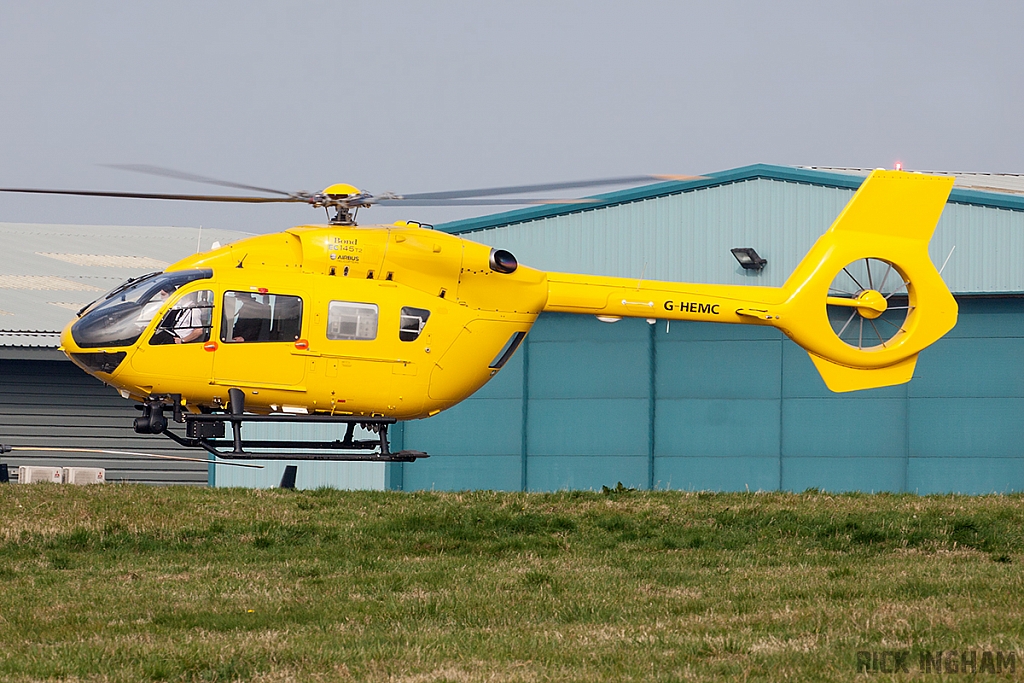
<point x="898" y="166"/>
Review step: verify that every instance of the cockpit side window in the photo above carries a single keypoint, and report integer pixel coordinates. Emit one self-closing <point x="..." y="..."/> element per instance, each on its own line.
<point x="131" y="282"/>
<point x="411" y="323"/>
<point x="121" y="316"/>
<point x="253" y="317"/>
<point x="188" y="321"/>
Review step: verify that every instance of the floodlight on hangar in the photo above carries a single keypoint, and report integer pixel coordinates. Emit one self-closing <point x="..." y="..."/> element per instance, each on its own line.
<point x="748" y="258"/>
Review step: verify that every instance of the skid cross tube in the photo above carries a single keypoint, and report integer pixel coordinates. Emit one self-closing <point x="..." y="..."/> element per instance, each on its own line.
<point x="288" y="417"/>
<point x="211" y="448"/>
<point x="209" y="438"/>
<point x="206" y="431"/>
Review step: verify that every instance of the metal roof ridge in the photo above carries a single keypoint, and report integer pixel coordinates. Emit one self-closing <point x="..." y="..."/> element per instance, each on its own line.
<point x="858" y="169"/>
<point x="795" y="174"/>
<point x="635" y="194"/>
<point x="30" y="331"/>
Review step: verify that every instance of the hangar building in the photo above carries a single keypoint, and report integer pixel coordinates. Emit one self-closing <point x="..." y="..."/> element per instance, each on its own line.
<point x="731" y="407"/>
<point x="585" y="404"/>
<point x="48" y="273"/>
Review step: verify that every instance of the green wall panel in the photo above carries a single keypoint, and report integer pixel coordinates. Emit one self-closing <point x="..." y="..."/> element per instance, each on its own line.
<point x="844" y="427"/>
<point x="575" y="328"/>
<point x="967" y="427"/>
<point x="591" y="426"/>
<point x="557" y="473"/>
<point x="718" y="473"/>
<point x="867" y="474"/>
<point x="477" y="426"/>
<point x="975" y="368"/>
<point x="508" y="383"/>
<point x="463" y="473"/>
<point x="718" y="369"/>
<point x="973" y="476"/>
<point x="688" y="331"/>
<point x="800" y="379"/>
<point x="989" y="317"/>
<point x="695" y="427"/>
<point x="734" y="407"/>
<point x="598" y="369"/>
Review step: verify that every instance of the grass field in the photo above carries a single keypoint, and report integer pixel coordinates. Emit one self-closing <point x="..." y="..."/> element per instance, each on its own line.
<point x="126" y="583"/>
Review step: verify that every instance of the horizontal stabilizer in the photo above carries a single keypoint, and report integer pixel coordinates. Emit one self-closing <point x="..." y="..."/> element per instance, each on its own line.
<point x="840" y="378"/>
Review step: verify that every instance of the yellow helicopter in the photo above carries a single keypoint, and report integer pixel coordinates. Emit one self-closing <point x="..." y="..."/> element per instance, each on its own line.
<point x="375" y="324"/>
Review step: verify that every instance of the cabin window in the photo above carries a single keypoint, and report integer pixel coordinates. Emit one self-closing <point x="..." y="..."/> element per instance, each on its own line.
<point x="253" y="317"/>
<point x="412" y="322"/>
<point x="347" y="320"/>
<point x="188" y="321"/>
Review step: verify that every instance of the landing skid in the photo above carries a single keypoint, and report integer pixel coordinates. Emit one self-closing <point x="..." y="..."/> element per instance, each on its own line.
<point x="207" y="432"/>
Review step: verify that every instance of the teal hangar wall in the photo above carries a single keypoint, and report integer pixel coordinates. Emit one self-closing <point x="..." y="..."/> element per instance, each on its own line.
<point x="586" y="404"/>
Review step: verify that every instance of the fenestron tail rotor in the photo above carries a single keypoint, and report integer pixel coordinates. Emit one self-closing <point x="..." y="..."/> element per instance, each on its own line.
<point x="884" y="301"/>
<point x="868" y="303"/>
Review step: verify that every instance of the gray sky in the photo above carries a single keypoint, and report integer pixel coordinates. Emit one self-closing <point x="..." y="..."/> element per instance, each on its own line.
<point x="421" y="96"/>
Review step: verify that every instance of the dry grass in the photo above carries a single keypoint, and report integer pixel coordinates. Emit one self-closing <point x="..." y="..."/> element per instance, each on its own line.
<point x="126" y="583"/>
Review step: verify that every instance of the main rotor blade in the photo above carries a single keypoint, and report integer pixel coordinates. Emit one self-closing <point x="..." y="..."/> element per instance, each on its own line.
<point x="508" y="201"/>
<point x="546" y="187"/>
<point x="194" y="177"/>
<point x="104" y="451"/>
<point x="150" y="195"/>
<point x="299" y="200"/>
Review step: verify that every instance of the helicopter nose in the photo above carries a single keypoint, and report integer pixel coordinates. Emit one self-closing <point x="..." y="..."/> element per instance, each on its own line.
<point x="90" y="360"/>
<point x="67" y="342"/>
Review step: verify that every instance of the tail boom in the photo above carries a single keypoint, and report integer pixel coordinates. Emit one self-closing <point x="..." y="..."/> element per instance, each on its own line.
<point x="891" y="218"/>
<point x="622" y="298"/>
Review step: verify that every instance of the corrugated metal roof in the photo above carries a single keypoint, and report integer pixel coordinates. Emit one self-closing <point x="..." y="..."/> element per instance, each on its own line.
<point x="109" y="261"/>
<point x="683" y="231"/>
<point x="30" y="338"/>
<point x="1011" y="183"/>
<point x="47" y="282"/>
<point x="50" y="271"/>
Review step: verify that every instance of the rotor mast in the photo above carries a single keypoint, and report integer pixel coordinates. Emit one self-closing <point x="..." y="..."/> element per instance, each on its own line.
<point x="345" y="199"/>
